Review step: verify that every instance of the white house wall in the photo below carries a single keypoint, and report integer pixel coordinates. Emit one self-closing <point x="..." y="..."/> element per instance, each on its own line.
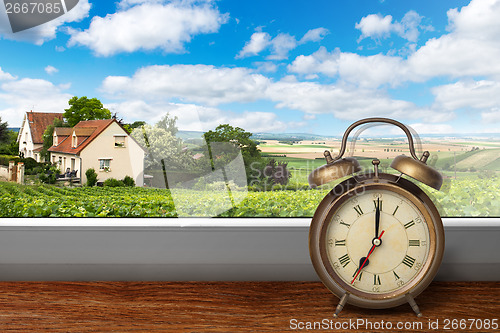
<point x="26" y="145"/>
<point x="125" y="161"/>
<point x="66" y="162"/>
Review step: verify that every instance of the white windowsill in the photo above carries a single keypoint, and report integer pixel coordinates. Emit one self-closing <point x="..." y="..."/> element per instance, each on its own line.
<point x="204" y="249"/>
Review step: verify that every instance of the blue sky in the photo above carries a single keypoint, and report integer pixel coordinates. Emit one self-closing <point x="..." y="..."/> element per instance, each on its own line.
<point x="273" y="66"/>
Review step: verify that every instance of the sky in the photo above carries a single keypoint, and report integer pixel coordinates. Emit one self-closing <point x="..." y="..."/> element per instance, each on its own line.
<point x="266" y="66"/>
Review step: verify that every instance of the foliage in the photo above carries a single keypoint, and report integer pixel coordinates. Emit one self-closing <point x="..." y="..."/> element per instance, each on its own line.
<point x="254" y="163"/>
<point x="164" y="149"/>
<point x="128" y="181"/>
<point x="4" y="159"/>
<point x="129" y="128"/>
<point x="30" y="164"/>
<point x="160" y="145"/>
<point x="9" y="146"/>
<point x="85" y="109"/>
<point x="112" y="182"/>
<point x="91" y="177"/>
<point x="48" y="137"/>
<point x="277" y="173"/>
<point x="168" y="124"/>
<point x="464" y="197"/>
<point x="4" y="131"/>
<point x="48" y="174"/>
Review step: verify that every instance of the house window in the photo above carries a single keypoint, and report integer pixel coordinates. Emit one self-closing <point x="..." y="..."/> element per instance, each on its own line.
<point x="120" y="141"/>
<point x="74" y="141"/>
<point x="55" y="140"/>
<point x="105" y="164"/>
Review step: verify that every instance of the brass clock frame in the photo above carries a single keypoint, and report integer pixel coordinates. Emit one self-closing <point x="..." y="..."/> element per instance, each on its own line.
<point x="324" y="215"/>
<point x="339" y="167"/>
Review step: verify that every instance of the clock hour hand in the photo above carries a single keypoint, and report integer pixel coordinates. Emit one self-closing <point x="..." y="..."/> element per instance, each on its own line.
<point x="375" y="244"/>
<point x="362" y="261"/>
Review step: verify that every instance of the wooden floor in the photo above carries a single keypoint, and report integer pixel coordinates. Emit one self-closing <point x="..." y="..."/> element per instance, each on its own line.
<point x="222" y="307"/>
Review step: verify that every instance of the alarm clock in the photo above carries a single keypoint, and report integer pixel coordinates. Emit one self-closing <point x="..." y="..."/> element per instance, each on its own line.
<point x="376" y="240"/>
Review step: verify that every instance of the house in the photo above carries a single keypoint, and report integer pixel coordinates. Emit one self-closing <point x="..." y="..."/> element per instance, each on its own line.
<point x="100" y="144"/>
<point x="30" y="135"/>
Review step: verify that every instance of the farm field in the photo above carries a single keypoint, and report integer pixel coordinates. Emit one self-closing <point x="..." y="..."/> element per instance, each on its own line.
<point x="471" y="196"/>
<point x="452" y="158"/>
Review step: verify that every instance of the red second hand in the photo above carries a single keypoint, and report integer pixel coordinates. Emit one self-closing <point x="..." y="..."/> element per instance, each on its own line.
<point x="371" y="250"/>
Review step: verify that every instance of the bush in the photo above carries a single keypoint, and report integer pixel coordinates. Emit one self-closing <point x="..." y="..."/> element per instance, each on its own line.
<point x="277" y="173"/>
<point x="49" y="174"/>
<point x="4" y="159"/>
<point x="91" y="177"/>
<point x="30" y="165"/>
<point x="112" y="182"/>
<point x="128" y="181"/>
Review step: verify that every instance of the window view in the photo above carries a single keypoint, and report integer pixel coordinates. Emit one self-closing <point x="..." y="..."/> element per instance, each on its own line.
<point x="223" y="108"/>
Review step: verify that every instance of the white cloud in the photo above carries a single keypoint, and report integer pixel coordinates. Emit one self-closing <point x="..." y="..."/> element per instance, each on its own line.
<point x="211" y="86"/>
<point x="4" y="76"/>
<point x="346" y="102"/>
<point x="365" y="71"/>
<point x="479" y="95"/>
<point x="314" y="35"/>
<point x="378" y="27"/>
<point x="125" y="4"/>
<point x="279" y="45"/>
<point x="491" y="117"/>
<point x="51" y="70"/>
<point x="21" y="95"/>
<point x="265" y="66"/>
<point x="192" y="117"/>
<point x="193" y="83"/>
<point x="149" y="25"/>
<point x="47" y="31"/>
<point x="470" y="49"/>
<point x="375" y="26"/>
<point x="426" y="128"/>
<point x="408" y="27"/>
<point x="258" y="42"/>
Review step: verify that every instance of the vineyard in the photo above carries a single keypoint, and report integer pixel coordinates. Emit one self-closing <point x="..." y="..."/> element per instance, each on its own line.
<point x="463" y="197"/>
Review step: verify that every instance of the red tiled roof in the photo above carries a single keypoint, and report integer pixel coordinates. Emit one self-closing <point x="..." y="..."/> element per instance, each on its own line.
<point x="63" y="131"/>
<point x="38" y="122"/>
<point x="88" y="130"/>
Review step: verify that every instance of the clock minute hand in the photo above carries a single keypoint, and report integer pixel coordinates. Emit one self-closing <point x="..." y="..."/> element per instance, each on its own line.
<point x="368" y="256"/>
<point x="377" y="217"/>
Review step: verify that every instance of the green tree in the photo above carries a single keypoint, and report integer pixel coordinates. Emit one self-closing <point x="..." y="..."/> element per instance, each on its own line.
<point x="169" y="124"/>
<point x="235" y="135"/>
<point x="48" y="137"/>
<point x="131" y="127"/>
<point x="10" y="146"/>
<point x="91" y="177"/>
<point x="160" y="145"/>
<point x="4" y="131"/>
<point x="254" y="163"/>
<point x="85" y="109"/>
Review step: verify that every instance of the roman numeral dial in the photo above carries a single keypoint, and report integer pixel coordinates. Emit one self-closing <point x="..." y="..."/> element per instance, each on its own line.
<point x="398" y="256"/>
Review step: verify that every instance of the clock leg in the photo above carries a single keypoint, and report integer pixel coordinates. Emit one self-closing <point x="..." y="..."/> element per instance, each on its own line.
<point x="341" y="304"/>
<point x="413" y="305"/>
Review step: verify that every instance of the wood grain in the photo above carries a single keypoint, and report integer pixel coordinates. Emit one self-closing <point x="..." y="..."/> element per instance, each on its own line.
<point x="217" y="306"/>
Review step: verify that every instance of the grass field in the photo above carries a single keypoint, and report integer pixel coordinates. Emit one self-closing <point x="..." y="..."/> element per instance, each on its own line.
<point x="471" y="196"/>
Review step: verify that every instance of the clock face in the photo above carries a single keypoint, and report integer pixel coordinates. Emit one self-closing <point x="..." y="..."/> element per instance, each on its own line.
<point x="398" y="252"/>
